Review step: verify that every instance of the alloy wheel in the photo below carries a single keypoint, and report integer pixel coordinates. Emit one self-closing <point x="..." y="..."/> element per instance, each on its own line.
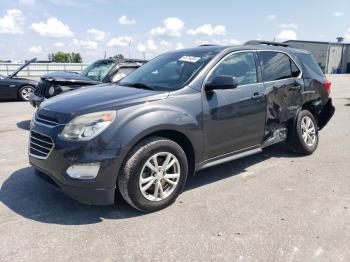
<point x="308" y="130"/>
<point x="159" y="176"/>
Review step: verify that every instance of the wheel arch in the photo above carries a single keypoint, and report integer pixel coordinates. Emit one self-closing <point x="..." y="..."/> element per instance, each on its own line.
<point x="170" y="133"/>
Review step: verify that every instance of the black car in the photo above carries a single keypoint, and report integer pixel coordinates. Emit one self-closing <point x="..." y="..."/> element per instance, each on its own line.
<point x="13" y="87"/>
<point x="101" y="71"/>
<point x="181" y="112"/>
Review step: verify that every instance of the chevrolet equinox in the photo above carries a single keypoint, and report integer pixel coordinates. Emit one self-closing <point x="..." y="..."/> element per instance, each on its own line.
<point x="182" y="111"/>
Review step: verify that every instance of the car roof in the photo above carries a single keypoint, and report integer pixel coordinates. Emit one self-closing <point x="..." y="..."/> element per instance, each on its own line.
<point x="232" y="48"/>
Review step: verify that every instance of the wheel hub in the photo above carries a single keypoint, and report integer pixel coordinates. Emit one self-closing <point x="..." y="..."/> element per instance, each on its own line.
<point x="160" y="176"/>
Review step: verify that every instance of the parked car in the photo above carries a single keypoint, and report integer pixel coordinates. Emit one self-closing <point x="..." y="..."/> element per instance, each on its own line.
<point x="13" y="87"/>
<point x="101" y="71"/>
<point x="182" y="111"/>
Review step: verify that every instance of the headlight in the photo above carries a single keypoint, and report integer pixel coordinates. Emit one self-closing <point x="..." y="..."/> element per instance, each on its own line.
<point x="51" y="90"/>
<point x="88" y="126"/>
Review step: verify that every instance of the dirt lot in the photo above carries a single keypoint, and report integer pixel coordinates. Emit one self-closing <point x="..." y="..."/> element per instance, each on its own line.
<point x="273" y="206"/>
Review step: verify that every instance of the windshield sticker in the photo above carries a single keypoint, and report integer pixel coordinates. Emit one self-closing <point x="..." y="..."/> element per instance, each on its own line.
<point x="190" y="59"/>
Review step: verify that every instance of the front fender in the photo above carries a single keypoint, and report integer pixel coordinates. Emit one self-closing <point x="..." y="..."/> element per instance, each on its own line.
<point x="140" y="124"/>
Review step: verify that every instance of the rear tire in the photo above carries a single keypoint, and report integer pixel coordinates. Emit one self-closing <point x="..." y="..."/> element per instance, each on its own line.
<point x="303" y="135"/>
<point x="153" y="174"/>
<point x="24" y="91"/>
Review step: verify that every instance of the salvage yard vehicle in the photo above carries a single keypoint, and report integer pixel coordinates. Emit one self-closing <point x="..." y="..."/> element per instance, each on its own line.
<point x="14" y="87"/>
<point x="101" y="71"/>
<point x="183" y="111"/>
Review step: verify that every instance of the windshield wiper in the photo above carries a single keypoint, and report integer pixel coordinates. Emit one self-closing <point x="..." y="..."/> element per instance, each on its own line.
<point x="138" y="85"/>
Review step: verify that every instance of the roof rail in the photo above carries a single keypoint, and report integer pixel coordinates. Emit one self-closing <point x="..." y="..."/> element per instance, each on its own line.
<point x="207" y="45"/>
<point x="258" y="42"/>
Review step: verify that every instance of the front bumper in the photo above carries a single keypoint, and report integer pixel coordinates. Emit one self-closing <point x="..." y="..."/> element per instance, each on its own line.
<point x="35" y="100"/>
<point x="64" y="154"/>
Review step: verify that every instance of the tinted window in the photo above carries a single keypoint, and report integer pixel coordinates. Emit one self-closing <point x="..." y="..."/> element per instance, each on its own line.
<point x="170" y="71"/>
<point x="295" y="70"/>
<point x="276" y="66"/>
<point x="309" y="64"/>
<point x="241" y="66"/>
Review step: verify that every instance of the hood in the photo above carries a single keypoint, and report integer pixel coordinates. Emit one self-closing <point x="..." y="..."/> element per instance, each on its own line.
<point x="21" y="68"/>
<point x="71" y="77"/>
<point x="96" y="98"/>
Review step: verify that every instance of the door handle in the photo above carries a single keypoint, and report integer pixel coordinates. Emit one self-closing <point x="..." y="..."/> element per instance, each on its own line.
<point x="256" y="96"/>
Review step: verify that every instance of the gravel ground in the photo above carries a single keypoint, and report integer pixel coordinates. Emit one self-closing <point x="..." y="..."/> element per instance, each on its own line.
<point x="273" y="206"/>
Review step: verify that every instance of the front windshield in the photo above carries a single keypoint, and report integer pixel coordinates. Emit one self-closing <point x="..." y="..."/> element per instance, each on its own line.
<point x="98" y="70"/>
<point x="170" y="71"/>
<point x="2" y="77"/>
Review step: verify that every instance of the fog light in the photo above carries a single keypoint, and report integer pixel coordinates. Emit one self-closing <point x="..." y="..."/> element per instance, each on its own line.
<point x="84" y="171"/>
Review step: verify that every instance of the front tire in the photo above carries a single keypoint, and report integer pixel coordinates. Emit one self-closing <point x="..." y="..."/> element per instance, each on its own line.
<point x="154" y="174"/>
<point x="303" y="136"/>
<point x="24" y="92"/>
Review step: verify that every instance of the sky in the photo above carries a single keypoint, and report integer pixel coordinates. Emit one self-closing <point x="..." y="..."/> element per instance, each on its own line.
<point x="35" y="28"/>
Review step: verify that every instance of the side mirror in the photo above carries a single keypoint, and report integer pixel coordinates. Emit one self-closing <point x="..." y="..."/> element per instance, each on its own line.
<point x="222" y="82"/>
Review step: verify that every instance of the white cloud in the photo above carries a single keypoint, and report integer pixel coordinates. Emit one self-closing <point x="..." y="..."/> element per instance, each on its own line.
<point x="209" y="30"/>
<point x="52" y="28"/>
<point x="27" y="2"/>
<point x="347" y="35"/>
<point x="179" y="46"/>
<point x="59" y="44"/>
<point x="124" y="20"/>
<point x="164" y="43"/>
<point x="85" y="44"/>
<point x="119" y="41"/>
<point x="289" y="26"/>
<point x="141" y="48"/>
<point x="172" y="26"/>
<point x="98" y="35"/>
<point x="272" y="17"/>
<point x="151" y="45"/>
<point x="287" y="35"/>
<point x="35" y="49"/>
<point x="338" y="13"/>
<point x="12" y="22"/>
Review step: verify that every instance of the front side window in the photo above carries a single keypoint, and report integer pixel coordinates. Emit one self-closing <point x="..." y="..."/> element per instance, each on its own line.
<point x="241" y="66"/>
<point x="170" y="71"/>
<point x="276" y="66"/>
<point x="98" y="70"/>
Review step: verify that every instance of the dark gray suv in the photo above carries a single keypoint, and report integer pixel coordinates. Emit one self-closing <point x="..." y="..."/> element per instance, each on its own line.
<point x="181" y="112"/>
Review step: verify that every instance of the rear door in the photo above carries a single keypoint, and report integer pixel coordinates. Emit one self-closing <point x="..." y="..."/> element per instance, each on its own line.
<point x="234" y="119"/>
<point x="283" y="83"/>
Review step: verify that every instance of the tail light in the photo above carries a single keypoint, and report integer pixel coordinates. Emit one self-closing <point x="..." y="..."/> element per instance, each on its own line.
<point x="327" y="85"/>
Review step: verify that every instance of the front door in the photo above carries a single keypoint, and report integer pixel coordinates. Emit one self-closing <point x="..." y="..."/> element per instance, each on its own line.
<point x="234" y="119"/>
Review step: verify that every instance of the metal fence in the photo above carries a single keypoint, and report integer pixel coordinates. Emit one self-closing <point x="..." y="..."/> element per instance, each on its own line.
<point x="36" y="70"/>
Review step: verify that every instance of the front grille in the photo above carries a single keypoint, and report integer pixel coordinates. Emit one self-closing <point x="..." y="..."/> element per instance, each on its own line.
<point x="49" y="121"/>
<point x="40" y="145"/>
<point x="41" y="88"/>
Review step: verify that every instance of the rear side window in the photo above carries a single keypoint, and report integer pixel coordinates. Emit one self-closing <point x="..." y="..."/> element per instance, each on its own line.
<point x="276" y="66"/>
<point x="309" y="64"/>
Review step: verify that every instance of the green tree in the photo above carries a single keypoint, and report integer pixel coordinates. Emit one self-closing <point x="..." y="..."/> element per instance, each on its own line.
<point x="62" y="57"/>
<point x="119" y="57"/>
<point x="75" y="58"/>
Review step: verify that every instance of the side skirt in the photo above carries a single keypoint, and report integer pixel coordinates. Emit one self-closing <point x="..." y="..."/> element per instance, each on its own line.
<point x="223" y="159"/>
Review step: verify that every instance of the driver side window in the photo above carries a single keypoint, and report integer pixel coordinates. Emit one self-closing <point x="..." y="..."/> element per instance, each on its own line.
<point x="241" y="66"/>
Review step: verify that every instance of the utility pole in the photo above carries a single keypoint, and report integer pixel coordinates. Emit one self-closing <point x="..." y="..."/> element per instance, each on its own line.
<point x="130" y="47"/>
